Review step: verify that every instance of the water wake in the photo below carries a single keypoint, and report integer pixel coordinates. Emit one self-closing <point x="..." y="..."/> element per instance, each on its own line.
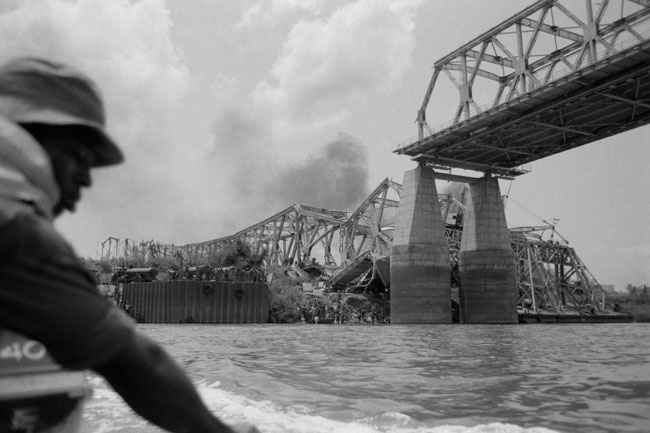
<point x="270" y="417"/>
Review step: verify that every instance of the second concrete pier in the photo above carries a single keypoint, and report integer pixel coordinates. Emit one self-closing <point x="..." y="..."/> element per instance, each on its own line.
<point x="488" y="273"/>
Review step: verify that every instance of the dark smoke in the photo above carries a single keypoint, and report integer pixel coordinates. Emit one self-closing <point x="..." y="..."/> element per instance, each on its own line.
<point x="335" y="176"/>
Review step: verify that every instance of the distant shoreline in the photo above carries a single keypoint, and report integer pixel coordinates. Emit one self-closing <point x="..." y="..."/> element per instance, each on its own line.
<point x="636" y="305"/>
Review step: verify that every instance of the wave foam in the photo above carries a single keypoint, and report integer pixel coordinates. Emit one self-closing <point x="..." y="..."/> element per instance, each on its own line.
<point x="270" y="417"/>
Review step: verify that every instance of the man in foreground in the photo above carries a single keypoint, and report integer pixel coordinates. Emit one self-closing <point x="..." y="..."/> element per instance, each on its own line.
<point x="51" y="135"/>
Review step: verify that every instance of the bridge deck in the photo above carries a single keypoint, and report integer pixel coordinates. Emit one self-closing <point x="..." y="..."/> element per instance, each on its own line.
<point x="566" y="73"/>
<point x="603" y="99"/>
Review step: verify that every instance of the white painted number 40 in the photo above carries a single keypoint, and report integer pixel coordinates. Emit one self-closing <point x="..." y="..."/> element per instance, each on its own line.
<point x="31" y="350"/>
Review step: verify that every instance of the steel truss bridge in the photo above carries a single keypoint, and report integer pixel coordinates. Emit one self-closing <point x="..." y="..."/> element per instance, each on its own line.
<point x="354" y="250"/>
<point x="557" y="75"/>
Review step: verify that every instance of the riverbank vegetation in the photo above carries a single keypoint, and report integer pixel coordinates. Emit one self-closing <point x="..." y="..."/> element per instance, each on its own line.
<point x="638" y="305"/>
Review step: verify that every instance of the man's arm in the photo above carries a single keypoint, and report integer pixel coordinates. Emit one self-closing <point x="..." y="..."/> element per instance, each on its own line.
<point x="158" y="389"/>
<point x="49" y="296"/>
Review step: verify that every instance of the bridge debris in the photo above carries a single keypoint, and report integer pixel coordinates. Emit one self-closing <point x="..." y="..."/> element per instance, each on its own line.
<point x="349" y="252"/>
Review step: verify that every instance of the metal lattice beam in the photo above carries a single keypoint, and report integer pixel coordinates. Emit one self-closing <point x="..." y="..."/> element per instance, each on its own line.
<point x="558" y="75"/>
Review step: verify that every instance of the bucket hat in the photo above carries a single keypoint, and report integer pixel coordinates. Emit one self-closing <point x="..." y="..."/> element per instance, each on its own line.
<point x="34" y="90"/>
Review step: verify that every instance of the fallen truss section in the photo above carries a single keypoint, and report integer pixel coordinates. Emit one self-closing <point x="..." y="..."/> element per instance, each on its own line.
<point x="354" y="250"/>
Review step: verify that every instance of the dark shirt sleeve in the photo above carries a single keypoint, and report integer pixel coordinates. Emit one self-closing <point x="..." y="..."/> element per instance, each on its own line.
<point x="48" y="295"/>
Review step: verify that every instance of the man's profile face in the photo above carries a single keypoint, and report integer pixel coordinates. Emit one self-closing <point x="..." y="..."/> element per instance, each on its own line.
<point x="71" y="160"/>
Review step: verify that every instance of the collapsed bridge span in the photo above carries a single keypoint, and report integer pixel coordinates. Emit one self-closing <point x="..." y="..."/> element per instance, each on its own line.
<point x="353" y="249"/>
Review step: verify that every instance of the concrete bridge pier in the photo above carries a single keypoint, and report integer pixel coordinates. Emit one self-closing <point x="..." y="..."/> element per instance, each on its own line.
<point x="487" y="265"/>
<point x="419" y="266"/>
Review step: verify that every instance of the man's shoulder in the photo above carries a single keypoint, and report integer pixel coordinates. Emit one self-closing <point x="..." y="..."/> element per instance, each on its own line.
<point x="28" y="232"/>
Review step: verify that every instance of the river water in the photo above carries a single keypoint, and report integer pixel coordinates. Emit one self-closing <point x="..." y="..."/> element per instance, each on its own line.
<point x="407" y="378"/>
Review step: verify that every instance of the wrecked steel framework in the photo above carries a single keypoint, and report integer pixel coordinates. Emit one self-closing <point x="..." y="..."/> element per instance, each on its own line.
<point x="551" y="276"/>
<point x="293" y="236"/>
<point x="353" y="250"/>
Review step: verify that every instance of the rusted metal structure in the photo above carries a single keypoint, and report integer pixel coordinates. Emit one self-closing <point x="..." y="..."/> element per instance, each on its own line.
<point x="197" y="302"/>
<point x="557" y="75"/>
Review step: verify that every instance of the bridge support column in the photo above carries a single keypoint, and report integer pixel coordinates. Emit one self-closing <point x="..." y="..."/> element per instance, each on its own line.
<point x="487" y="265"/>
<point x="420" y="278"/>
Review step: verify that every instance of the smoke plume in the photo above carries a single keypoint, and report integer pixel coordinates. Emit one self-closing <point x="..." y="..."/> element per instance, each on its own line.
<point x="334" y="176"/>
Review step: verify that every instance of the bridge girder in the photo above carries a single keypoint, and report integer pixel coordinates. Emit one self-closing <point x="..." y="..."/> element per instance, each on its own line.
<point x="553" y="77"/>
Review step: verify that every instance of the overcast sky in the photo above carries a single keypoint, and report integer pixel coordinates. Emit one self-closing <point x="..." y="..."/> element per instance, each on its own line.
<point x="229" y="112"/>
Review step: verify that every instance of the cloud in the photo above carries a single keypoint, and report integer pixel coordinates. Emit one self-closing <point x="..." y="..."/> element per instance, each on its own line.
<point x="363" y="46"/>
<point x="126" y="48"/>
<point x="268" y="13"/>
<point x="632" y="251"/>
<point x="182" y="183"/>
